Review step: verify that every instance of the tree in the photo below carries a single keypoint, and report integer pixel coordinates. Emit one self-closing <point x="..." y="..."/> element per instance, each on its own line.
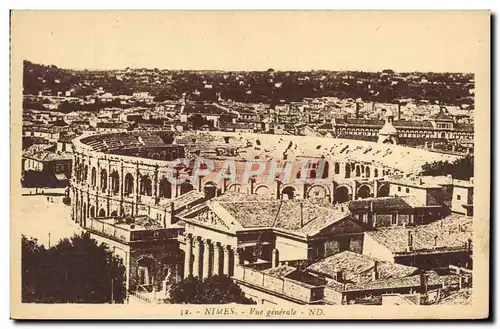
<point x="462" y="168"/>
<point x="197" y="121"/>
<point x="76" y="270"/>
<point x="218" y="289"/>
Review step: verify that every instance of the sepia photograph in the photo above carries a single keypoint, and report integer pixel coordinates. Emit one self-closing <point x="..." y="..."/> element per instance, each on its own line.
<point x="250" y="164"/>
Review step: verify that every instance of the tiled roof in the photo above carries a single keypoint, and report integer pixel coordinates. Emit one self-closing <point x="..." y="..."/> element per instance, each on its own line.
<point x="461" y="297"/>
<point x="393" y="283"/>
<point x="286" y="215"/>
<point x="46" y="156"/>
<point x="352" y="264"/>
<point x="385" y="203"/>
<point x="451" y="232"/>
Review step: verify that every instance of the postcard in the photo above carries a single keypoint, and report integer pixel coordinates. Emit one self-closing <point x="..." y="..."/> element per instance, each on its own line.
<point x="250" y="164"/>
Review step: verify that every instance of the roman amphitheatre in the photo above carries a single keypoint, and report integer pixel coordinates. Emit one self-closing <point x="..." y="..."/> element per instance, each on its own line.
<point x="126" y="174"/>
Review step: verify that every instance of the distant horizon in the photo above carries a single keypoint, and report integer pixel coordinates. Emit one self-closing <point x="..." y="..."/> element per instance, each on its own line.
<point x="240" y="70"/>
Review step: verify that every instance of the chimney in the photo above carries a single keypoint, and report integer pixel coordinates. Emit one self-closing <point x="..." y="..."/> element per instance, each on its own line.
<point x="435" y="241"/>
<point x="172" y="208"/>
<point x="410" y="241"/>
<point x="375" y="274"/>
<point x="275" y="258"/>
<point x="469" y="244"/>
<point x="339" y="276"/>
<point x="423" y="283"/>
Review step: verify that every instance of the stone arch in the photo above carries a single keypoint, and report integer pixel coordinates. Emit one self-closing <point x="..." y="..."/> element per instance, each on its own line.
<point x="383" y="190"/>
<point x="375" y="172"/>
<point x="234" y="188"/>
<point x="114" y="213"/>
<point x="364" y="191"/>
<point x="341" y="194"/>
<point x="288" y="193"/>
<point x="115" y="182"/>
<point x="129" y="184"/>
<point x="93" y="177"/>
<point x="92" y="212"/>
<point x="104" y="180"/>
<point x="165" y="188"/>
<point x="102" y="212"/>
<point x="318" y="191"/>
<point x="145" y="186"/>
<point x="262" y="190"/>
<point x="347" y="170"/>
<point x="85" y="173"/>
<point x="210" y="189"/>
<point x="336" y="169"/>
<point x="185" y="188"/>
<point x="367" y="172"/>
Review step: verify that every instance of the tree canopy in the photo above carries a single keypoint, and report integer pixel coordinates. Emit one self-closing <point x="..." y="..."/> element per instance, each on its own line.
<point x="218" y="289"/>
<point x="462" y="168"/>
<point x="76" y="270"/>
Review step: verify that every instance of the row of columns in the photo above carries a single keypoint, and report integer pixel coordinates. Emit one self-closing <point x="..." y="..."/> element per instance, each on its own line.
<point x="204" y="258"/>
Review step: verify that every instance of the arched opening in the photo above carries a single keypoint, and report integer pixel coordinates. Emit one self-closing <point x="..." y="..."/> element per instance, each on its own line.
<point x="341" y="194"/>
<point x="114" y="213"/>
<point x="92" y="212"/>
<point x="375" y="172"/>
<point x="210" y="190"/>
<point x="347" y="170"/>
<point x="367" y="172"/>
<point x="383" y="191"/>
<point x="326" y="169"/>
<point x="84" y="212"/>
<point x="337" y="168"/>
<point x="145" y="186"/>
<point x="104" y="180"/>
<point x="288" y="193"/>
<point x="115" y="182"/>
<point x="165" y="188"/>
<point x="364" y="192"/>
<point x="102" y="213"/>
<point x="262" y="190"/>
<point x="358" y="171"/>
<point x="85" y="173"/>
<point x="317" y="192"/>
<point x="145" y="273"/>
<point x="443" y="135"/>
<point x="235" y="188"/>
<point x="185" y="188"/>
<point x="129" y="184"/>
<point x="93" y="177"/>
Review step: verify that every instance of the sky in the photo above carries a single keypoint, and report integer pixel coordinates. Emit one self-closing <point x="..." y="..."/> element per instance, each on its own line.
<point x="253" y="40"/>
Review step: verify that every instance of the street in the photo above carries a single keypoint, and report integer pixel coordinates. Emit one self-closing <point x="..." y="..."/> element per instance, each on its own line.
<point x="41" y="218"/>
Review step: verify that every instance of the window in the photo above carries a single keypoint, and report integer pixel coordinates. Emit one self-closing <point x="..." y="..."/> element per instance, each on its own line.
<point x="59" y="168"/>
<point x="407" y="190"/>
<point x="399" y="188"/>
<point x="458" y="197"/>
<point x="394" y="220"/>
<point x="361" y="217"/>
